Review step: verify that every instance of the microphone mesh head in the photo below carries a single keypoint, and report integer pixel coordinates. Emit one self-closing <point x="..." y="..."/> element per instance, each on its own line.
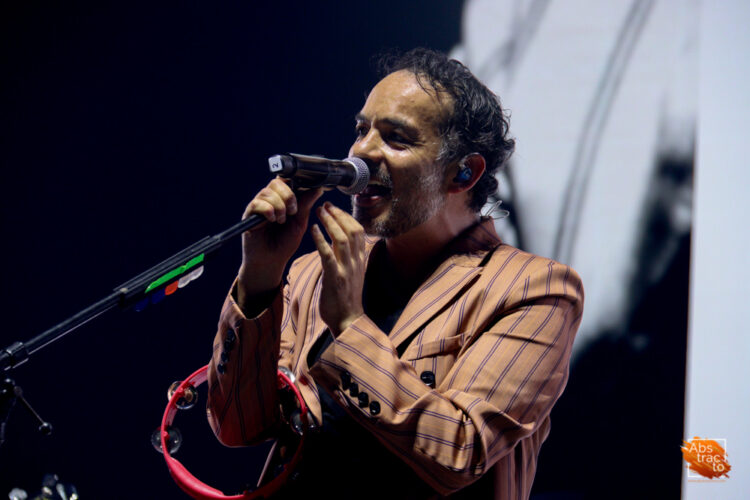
<point x="362" y="176"/>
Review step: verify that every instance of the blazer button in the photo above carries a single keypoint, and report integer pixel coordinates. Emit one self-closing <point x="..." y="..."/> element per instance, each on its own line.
<point x="346" y="380"/>
<point x="224" y="356"/>
<point x="354" y="390"/>
<point x="221" y="368"/>
<point x="428" y="378"/>
<point x="374" y="408"/>
<point x="230" y="335"/>
<point x="312" y="424"/>
<point x="363" y="398"/>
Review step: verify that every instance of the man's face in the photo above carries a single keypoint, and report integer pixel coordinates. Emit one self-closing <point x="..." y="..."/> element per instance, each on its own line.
<point x="397" y="132"/>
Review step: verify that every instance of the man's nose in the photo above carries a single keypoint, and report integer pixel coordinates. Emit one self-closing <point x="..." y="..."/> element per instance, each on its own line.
<point x="368" y="148"/>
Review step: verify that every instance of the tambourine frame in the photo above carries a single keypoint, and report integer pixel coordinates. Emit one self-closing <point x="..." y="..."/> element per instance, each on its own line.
<point x="195" y="487"/>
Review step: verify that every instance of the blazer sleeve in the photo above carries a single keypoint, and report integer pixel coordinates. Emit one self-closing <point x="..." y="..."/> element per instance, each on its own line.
<point x="500" y="389"/>
<point x="242" y="406"/>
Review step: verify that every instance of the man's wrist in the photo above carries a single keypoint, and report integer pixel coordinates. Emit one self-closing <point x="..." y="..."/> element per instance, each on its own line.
<point x="257" y="279"/>
<point x="256" y="289"/>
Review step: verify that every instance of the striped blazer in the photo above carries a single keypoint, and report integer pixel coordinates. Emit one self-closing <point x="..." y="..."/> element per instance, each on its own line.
<point x="492" y="325"/>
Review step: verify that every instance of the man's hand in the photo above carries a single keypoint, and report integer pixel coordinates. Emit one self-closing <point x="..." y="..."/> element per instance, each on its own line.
<point x="267" y="248"/>
<point x="343" y="267"/>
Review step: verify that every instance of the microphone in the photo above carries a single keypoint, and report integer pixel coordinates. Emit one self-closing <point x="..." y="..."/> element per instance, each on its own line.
<point x="350" y="175"/>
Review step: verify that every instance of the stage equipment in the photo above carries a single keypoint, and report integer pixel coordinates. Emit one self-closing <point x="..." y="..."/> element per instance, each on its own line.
<point x="168" y="438"/>
<point x="350" y="175"/>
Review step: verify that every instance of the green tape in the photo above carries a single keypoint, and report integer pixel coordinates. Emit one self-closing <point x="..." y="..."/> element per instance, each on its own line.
<point x="175" y="272"/>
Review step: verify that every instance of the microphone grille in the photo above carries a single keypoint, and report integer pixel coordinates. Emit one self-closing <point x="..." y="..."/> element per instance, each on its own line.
<point x="361" y="177"/>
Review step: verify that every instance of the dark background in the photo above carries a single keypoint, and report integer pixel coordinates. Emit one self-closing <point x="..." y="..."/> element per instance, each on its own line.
<point x="129" y="132"/>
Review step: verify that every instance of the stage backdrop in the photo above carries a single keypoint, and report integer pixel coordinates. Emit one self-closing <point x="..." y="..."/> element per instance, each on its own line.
<point x="603" y="103"/>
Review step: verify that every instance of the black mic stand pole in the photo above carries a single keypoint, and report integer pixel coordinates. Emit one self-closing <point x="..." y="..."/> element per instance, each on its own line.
<point x="123" y="296"/>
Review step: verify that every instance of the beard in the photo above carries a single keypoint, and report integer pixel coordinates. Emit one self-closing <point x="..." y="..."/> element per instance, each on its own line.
<point x="418" y="199"/>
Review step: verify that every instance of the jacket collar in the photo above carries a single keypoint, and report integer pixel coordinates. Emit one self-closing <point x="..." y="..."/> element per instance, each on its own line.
<point x="461" y="264"/>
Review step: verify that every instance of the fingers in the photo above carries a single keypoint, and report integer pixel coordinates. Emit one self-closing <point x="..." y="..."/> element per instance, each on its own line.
<point x="324" y="249"/>
<point x="344" y="265"/>
<point x="349" y="224"/>
<point x="342" y="221"/>
<point x="339" y="238"/>
<point x="275" y="202"/>
<point x="347" y="235"/>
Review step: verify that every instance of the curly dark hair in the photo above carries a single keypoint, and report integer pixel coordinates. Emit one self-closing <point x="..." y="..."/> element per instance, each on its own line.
<point x="477" y="123"/>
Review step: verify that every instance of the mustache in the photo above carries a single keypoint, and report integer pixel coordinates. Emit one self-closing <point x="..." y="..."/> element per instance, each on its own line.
<point x="381" y="177"/>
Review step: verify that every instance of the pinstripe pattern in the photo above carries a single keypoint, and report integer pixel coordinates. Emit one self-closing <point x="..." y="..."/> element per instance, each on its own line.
<point x="494" y="324"/>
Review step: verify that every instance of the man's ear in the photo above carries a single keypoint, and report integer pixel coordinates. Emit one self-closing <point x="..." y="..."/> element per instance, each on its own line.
<point x="467" y="173"/>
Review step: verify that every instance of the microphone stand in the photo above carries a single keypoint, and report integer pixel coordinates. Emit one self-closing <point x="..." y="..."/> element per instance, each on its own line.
<point x="145" y="287"/>
<point x="129" y="293"/>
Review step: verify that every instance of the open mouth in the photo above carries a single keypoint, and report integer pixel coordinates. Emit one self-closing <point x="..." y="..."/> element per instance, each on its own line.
<point x="372" y="195"/>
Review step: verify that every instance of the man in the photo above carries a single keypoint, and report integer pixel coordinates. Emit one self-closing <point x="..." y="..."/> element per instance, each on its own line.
<point x="429" y="357"/>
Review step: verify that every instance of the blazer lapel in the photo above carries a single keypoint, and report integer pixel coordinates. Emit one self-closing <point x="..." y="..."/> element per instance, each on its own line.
<point x="438" y="291"/>
<point x="464" y="262"/>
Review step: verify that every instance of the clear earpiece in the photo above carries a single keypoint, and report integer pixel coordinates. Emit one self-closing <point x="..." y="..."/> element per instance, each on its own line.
<point x="495" y="207"/>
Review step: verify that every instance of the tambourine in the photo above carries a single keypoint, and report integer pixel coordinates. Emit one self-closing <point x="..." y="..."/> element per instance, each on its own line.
<point x="184" y="396"/>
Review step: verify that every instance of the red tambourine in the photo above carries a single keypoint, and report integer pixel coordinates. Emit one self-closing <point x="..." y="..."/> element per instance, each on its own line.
<point x="192" y="485"/>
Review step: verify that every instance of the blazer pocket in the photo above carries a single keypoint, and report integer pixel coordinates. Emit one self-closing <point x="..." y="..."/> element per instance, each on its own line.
<point x="434" y="348"/>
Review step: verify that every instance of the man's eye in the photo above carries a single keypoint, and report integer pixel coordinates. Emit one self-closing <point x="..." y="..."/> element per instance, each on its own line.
<point x="398" y="138"/>
<point x="360" y="130"/>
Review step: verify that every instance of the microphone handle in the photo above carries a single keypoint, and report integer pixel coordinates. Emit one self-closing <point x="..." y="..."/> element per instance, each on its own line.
<point x="309" y="172"/>
<point x="240" y="227"/>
